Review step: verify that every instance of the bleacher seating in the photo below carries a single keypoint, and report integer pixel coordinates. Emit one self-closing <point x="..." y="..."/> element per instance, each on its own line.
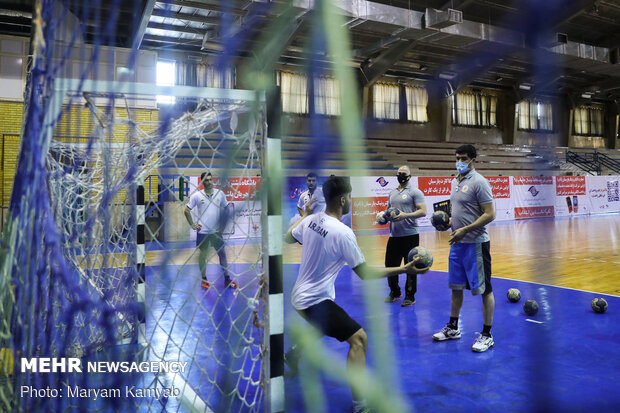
<point x="382" y="156"/>
<point x="429" y="158"/>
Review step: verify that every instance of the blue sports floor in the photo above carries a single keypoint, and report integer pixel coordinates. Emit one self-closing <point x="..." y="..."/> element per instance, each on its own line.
<point x="564" y="359"/>
<point x="211" y="329"/>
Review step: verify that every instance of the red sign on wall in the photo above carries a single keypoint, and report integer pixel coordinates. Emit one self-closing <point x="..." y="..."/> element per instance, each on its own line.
<point x="534" y="212"/>
<point x="500" y="185"/>
<point x="432" y="185"/>
<point x="365" y="212"/>
<point x="570" y="185"/>
<point x="239" y="189"/>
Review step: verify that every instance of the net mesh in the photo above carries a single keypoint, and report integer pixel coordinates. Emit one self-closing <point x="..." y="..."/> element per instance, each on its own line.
<point x="92" y="183"/>
<point x="73" y="258"/>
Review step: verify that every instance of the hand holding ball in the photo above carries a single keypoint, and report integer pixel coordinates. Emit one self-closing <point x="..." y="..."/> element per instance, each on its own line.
<point x="392" y="213"/>
<point x="440" y="220"/>
<point x="426" y="258"/>
<point x="381" y="218"/>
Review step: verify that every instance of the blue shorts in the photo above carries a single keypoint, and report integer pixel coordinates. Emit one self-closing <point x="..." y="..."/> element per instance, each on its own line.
<point x="470" y="267"/>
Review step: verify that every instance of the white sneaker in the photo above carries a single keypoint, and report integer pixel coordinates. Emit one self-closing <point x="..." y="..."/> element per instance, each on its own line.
<point x="447" y="333"/>
<point x="483" y="343"/>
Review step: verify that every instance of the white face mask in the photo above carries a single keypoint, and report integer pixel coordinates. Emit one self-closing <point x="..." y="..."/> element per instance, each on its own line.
<point x="462" y="167"/>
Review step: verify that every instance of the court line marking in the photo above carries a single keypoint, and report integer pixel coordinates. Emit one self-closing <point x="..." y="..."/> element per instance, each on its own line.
<point x="555" y="286"/>
<point x="188" y="396"/>
<point x="533" y="321"/>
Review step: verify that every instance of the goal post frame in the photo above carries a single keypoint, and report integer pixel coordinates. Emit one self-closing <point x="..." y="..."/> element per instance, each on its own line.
<point x="271" y="217"/>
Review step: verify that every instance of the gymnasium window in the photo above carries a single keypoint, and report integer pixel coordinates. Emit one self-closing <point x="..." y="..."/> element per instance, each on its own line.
<point x="588" y="121"/>
<point x="535" y="115"/>
<point x="474" y="109"/>
<point x="417" y="101"/>
<point x="386" y="100"/>
<point x="294" y="92"/>
<point x="204" y="75"/>
<point x="165" y="77"/>
<point x="326" y="96"/>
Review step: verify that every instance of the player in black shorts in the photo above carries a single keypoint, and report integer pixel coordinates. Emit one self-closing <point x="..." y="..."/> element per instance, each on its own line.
<point x="327" y="245"/>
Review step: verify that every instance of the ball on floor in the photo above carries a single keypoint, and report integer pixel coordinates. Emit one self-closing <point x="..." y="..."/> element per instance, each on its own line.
<point x="426" y="257"/>
<point x="599" y="305"/>
<point x="514" y="295"/>
<point x="530" y="307"/>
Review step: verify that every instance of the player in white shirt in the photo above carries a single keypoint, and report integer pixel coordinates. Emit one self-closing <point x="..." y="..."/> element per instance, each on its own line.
<point x="327" y="245"/>
<point x="209" y="207"/>
<point x="314" y="193"/>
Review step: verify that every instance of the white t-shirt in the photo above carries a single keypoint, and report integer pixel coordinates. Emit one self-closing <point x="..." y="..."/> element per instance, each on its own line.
<point x="207" y="210"/>
<point x="317" y="196"/>
<point x="327" y="245"/>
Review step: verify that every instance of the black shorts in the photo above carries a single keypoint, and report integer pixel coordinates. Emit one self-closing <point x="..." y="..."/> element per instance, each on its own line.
<point x="397" y="249"/>
<point x="331" y="320"/>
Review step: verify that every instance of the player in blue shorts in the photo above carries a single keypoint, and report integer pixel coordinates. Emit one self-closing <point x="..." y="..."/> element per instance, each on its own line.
<point x="470" y="257"/>
<point x="327" y="245"/>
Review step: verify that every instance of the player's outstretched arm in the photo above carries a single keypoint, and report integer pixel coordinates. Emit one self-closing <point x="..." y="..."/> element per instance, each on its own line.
<point x="366" y="272"/>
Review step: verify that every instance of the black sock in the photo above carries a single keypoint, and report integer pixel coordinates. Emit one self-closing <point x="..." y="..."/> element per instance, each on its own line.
<point x="454" y="323"/>
<point x="486" y="331"/>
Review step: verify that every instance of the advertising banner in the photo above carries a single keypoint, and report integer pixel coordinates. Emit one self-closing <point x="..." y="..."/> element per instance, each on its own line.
<point x="516" y="197"/>
<point x="570" y="196"/>
<point x="246" y="210"/>
<point x="370" y="195"/>
<point x="294" y="186"/>
<point x="504" y="208"/>
<point x="435" y="189"/>
<point x="603" y="193"/>
<point x="533" y="196"/>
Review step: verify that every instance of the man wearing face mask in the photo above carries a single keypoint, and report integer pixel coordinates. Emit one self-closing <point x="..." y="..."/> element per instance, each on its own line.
<point x="404" y="234"/>
<point x="327" y="245"/>
<point x="470" y="252"/>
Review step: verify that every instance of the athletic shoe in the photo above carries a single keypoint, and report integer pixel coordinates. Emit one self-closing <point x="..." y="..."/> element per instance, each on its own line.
<point x="205" y="285"/>
<point x="408" y="302"/>
<point x="483" y="343"/>
<point x="230" y="284"/>
<point x="447" y="333"/>
<point x="392" y="298"/>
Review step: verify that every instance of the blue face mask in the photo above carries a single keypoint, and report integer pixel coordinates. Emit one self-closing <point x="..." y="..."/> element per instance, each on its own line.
<point x="462" y="167"/>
